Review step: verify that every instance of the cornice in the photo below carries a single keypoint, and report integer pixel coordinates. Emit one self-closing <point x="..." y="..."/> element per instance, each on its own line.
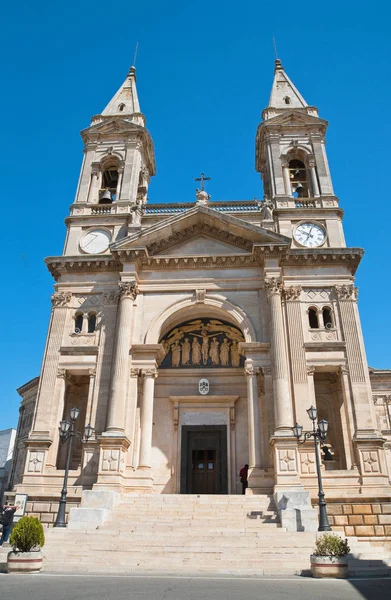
<point x="23" y="389"/>
<point x="59" y="265"/>
<point x="349" y="257"/>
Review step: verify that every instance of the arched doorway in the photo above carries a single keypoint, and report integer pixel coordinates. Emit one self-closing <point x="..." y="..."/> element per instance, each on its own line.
<point x="202" y="443"/>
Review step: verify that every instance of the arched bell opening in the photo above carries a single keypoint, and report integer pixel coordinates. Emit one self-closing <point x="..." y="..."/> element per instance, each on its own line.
<point x="109" y="182"/>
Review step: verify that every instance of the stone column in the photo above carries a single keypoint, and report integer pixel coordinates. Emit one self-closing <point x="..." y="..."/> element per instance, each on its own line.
<point x="268" y="427"/>
<point x="286" y="175"/>
<point x="120" y="368"/>
<point x="119" y="183"/>
<point x="282" y="396"/>
<point x="90" y="399"/>
<point x="149" y="376"/>
<point x="314" y="178"/>
<point x="96" y="178"/>
<point x="251" y="373"/>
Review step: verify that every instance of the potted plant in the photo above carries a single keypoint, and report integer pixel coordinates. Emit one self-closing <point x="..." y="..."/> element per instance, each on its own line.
<point x="330" y="557"/>
<point x="27" y="538"/>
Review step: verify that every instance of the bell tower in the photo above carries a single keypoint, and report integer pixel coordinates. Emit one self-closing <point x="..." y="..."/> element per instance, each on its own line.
<point x="118" y="163"/>
<point x="291" y="157"/>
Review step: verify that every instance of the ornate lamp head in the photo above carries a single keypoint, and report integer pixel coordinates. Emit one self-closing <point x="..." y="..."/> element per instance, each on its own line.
<point x="298" y="430"/>
<point x="74" y="412"/>
<point x="312" y="413"/>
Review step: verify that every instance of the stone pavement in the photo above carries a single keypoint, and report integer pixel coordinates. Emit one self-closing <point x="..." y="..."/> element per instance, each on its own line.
<point x="95" y="587"/>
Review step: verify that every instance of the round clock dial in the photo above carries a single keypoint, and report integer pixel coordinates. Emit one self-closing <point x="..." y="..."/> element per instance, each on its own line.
<point x="310" y="235"/>
<point x="95" y="241"/>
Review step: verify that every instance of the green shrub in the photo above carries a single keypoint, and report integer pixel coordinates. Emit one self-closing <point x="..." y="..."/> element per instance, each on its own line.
<point x="27" y="535"/>
<point x="330" y="544"/>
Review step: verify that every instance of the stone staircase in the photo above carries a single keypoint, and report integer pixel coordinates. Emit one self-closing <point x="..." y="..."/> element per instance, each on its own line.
<point x="196" y="535"/>
<point x="183" y="534"/>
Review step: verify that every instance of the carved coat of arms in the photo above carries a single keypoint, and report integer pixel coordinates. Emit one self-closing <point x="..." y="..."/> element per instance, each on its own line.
<point x="203" y="387"/>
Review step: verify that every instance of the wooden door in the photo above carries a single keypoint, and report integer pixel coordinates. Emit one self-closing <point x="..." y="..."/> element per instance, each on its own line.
<point x="204" y="460"/>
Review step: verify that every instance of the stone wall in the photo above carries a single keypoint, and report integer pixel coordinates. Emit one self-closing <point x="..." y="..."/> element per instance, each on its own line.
<point x="362" y="518"/>
<point x="46" y="510"/>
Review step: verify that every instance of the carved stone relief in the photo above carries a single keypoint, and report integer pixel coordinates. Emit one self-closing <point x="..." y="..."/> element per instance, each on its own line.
<point x="35" y="462"/>
<point x="371" y="462"/>
<point x="202" y="343"/>
<point x="307" y="463"/>
<point x="318" y="294"/>
<point x="287" y="460"/>
<point x="273" y="285"/>
<point x="346" y="292"/>
<point x="61" y="299"/>
<point x="111" y="460"/>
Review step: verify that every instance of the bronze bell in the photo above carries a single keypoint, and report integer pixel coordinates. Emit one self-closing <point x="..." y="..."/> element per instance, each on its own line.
<point x="106" y="197"/>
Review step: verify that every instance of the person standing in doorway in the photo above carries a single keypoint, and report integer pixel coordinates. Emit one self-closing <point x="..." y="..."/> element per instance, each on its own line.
<point x="243" y="474"/>
<point x="6" y="518"/>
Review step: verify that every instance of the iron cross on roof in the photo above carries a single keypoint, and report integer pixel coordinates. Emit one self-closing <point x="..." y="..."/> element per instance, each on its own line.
<point x="202" y="179"/>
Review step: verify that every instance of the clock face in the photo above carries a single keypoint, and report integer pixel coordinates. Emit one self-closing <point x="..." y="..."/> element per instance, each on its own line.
<point x="95" y="241"/>
<point x="310" y="235"/>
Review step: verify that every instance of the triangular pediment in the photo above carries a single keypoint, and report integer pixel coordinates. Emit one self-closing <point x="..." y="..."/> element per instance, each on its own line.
<point x="295" y="117"/>
<point x="113" y="125"/>
<point x="224" y="234"/>
<point x="202" y="245"/>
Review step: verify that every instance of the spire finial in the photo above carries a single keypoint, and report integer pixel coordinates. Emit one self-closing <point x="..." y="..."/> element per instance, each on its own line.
<point x="278" y="65"/>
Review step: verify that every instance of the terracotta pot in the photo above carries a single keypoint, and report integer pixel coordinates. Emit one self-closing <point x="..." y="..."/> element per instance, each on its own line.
<point x="24" y="562"/>
<point x="329" y="566"/>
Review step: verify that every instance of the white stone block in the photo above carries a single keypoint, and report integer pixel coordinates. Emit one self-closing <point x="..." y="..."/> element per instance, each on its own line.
<point x="295" y="511"/>
<point x="87" y="518"/>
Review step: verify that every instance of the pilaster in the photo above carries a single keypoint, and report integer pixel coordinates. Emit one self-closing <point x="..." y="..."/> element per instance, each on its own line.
<point x="46" y="409"/>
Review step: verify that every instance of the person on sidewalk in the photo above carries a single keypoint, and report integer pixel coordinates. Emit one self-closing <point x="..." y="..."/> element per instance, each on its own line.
<point x="6" y="519"/>
<point x="243" y="474"/>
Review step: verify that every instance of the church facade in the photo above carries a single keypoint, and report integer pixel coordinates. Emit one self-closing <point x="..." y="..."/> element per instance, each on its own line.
<point x="193" y="336"/>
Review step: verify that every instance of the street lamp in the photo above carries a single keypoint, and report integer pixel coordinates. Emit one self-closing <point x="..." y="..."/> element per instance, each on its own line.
<point x="319" y="434"/>
<point x="67" y="432"/>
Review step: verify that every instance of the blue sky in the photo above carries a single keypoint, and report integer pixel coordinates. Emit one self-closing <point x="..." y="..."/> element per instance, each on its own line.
<point x="204" y="72"/>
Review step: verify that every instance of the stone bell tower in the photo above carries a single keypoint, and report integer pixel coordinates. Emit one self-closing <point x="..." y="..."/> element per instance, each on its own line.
<point x="118" y="164"/>
<point x="291" y="157"/>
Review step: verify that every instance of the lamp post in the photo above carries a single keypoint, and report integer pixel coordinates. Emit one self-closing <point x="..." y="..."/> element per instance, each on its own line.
<point x="67" y="432"/>
<point x="319" y="434"/>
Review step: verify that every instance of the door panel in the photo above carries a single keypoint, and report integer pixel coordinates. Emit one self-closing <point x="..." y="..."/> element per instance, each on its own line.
<point x="204" y="460"/>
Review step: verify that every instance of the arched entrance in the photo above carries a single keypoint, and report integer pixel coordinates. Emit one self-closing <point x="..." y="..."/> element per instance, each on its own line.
<point x="207" y="350"/>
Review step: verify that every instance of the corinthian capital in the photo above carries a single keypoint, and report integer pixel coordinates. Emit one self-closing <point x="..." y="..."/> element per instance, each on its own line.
<point x="151" y="372"/>
<point x="292" y="292"/>
<point x="61" y="298"/>
<point x="251" y="371"/>
<point x="128" y="289"/>
<point x="273" y="285"/>
<point x="346" y="292"/>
